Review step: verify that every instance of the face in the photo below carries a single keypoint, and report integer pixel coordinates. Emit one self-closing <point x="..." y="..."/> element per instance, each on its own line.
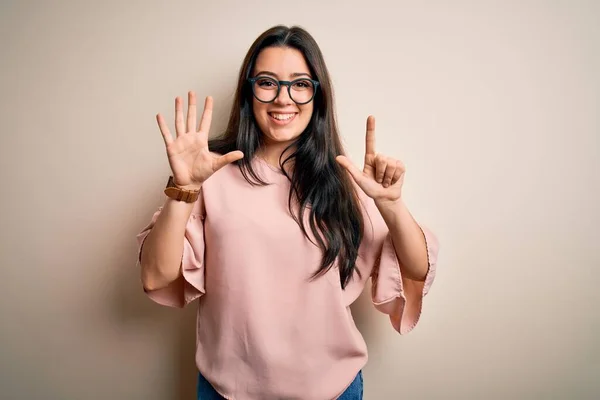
<point x="282" y="120"/>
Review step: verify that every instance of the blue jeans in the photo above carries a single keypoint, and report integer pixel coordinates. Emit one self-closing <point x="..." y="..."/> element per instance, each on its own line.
<point x="353" y="392"/>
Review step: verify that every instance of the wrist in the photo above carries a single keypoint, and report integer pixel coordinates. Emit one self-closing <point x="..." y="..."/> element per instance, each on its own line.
<point x="194" y="186"/>
<point x="188" y="193"/>
<point x="389" y="204"/>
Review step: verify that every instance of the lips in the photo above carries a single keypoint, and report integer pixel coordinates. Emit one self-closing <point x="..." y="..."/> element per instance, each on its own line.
<point x="280" y="118"/>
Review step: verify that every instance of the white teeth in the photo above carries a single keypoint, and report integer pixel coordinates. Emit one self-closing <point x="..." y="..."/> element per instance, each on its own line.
<point x="282" y="117"/>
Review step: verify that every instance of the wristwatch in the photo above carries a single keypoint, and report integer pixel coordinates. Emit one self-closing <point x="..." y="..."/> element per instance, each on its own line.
<point x="175" y="192"/>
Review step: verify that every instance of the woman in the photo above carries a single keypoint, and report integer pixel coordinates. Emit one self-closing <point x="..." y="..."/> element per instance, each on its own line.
<point x="276" y="232"/>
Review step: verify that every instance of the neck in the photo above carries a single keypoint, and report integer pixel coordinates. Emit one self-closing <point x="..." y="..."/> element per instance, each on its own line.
<point x="272" y="153"/>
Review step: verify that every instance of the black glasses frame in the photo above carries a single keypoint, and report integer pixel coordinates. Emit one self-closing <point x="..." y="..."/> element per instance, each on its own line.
<point x="283" y="83"/>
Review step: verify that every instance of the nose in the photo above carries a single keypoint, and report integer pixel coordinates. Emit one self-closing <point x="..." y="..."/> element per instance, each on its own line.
<point x="283" y="98"/>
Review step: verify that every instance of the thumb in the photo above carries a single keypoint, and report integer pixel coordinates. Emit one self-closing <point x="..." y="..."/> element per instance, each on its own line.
<point x="356" y="174"/>
<point x="228" y="159"/>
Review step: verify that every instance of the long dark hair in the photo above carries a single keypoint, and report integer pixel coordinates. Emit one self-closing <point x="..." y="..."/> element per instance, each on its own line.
<point x="318" y="182"/>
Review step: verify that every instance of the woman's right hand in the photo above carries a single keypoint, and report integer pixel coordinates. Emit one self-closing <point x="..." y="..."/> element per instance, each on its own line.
<point x="190" y="160"/>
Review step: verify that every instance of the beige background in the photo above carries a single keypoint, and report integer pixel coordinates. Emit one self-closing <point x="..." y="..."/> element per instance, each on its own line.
<point x="493" y="106"/>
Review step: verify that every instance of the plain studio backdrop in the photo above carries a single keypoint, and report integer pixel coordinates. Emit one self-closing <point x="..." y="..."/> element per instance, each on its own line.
<point x="492" y="105"/>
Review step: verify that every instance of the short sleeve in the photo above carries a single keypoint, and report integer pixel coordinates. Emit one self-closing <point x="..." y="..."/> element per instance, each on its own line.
<point x="190" y="285"/>
<point x="395" y="295"/>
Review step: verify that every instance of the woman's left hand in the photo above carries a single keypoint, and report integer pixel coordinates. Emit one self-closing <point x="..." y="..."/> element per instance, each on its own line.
<point x="382" y="177"/>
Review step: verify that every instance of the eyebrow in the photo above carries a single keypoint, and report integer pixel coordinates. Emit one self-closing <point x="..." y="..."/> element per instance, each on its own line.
<point x="293" y="75"/>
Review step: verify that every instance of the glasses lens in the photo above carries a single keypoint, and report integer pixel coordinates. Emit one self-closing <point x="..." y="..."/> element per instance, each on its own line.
<point x="302" y="91"/>
<point x="265" y="89"/>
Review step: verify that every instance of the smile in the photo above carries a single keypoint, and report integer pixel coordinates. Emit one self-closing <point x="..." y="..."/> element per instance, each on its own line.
<point x="282" y="119"/>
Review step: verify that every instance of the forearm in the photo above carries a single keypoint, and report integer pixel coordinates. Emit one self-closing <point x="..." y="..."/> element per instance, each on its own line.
<point x="408" y="239"/>
<point x="163" y="247"/>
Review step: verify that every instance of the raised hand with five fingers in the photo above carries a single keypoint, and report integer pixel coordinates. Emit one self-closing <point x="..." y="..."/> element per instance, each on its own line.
<point x="189" y="157"/>
<point x="382" y="177"/>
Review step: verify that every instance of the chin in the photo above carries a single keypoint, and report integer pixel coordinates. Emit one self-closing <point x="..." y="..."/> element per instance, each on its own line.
<point x="279" y="136"/>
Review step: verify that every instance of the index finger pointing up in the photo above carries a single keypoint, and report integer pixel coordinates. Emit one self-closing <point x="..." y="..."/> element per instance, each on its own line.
<point x="370" y="139"/>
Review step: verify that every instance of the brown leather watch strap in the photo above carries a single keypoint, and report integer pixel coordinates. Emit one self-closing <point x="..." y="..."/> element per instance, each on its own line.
<point x="175" y="192"/>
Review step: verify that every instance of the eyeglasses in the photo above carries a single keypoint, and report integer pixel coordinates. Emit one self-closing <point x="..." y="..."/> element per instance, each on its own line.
<point x="266" y="89"/>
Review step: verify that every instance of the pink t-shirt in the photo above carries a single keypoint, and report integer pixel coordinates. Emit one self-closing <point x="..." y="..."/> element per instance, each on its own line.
<point x="264" y="330"/>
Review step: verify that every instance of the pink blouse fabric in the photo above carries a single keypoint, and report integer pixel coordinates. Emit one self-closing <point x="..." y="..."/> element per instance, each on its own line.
<point x="264" y="329"/>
